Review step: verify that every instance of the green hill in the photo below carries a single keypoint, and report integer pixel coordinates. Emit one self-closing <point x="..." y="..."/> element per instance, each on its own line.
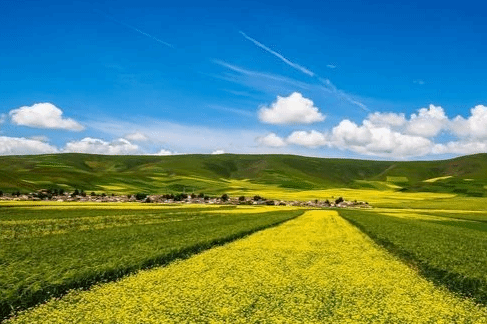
<point x="465" y="175"/>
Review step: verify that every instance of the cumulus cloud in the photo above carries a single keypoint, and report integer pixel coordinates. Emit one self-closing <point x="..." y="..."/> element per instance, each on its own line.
<point x="347" y="133"/>
<point x="428" y="122"/>
<point x="41" y="138"/>
<point x="43" y="115"/>
<point x="98" y="146"/>
<point x="460" y="147"/>
<point x="271" y="140"/>
<point x="136" y="137"/>
<point x="216" y="152"/>
<point x="369" y="139"/>
<point x="309" y="139"/>
<point x="474" y="127"/>
<point x="387" y="119"/>
<point x="294" y="109"/>
<point x="21" y="146"/>
<point x="3" y="118"/>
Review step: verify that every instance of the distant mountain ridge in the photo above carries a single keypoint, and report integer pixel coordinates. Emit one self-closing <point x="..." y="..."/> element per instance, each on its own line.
<point x="466" y="175"/>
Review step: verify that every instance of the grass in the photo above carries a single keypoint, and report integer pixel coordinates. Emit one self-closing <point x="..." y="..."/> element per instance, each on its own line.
<point x="316" y="268"/>
<point x="48" y="249"/>
<point x="215" y="174"/>
<point x="448" y="247"/>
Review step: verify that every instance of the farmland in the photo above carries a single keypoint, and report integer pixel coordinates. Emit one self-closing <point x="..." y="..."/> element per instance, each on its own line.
<point x="450" y="248"/>
<point x="46" y="250"/>
<point x="315" y="268"/>
<point x="417" y="256"/>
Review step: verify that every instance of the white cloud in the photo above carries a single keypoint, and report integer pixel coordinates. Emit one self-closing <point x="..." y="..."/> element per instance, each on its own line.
<point x="3" y="118"/>
<point x="474" y="127"/>
<point x="183" y="138"/>
<point x="331" y="66"/>
<point x="428" y="122"/>
<point x="347" y="133"/>
<point x="21" y="146"/>
<point x="309" y="139"/>
<point x="294" y="109"/>
<point x="165" y="152"/>
<point x="460" y="147"/>
<point x="419" y="81"/>
<point x="217" y="152"/>
<point x="43" y="115"/>
<point x="271" y="140"/>
<point x="387" y="119"/>
<point x="41" y="138"/>
<point x="369" y="139"/>
<point x="136" y="137"/>
<point x="98" y="146"/>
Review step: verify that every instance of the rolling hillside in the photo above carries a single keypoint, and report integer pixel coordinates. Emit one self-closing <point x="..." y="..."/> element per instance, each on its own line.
<point x="215" y="174"/>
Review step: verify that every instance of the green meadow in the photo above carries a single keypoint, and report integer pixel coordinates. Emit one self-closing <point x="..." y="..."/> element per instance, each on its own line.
<point x="214" y="174"/>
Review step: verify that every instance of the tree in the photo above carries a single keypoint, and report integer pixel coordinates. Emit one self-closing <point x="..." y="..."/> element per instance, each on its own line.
<point x="241" y="198"/>
<point x="75" y="193"/>
<point x="140" y="196"/>
<point x="225" y="197"/>
<point x="1" y="193"/>
<point x="339" y="200"/>
<point x="257" y="198"/>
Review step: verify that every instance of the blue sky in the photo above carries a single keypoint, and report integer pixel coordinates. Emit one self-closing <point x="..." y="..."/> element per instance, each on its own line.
<point x="362" y="79"/>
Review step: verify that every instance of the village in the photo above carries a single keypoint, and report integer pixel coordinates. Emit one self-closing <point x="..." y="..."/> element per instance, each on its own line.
<point x="180" y="198"/>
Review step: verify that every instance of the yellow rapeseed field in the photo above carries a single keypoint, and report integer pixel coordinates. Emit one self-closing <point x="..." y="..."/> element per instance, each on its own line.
<point x="313" y="269"/>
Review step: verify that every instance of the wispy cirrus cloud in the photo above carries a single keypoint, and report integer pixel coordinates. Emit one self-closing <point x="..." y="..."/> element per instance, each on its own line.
<point x="326" y="82"/>
<point x="278" y="55"/>
<point x="133" y="28"/>
<point x="265" y="76"/>
<point x="329" y="86"/>
<point x="231" y="110"/>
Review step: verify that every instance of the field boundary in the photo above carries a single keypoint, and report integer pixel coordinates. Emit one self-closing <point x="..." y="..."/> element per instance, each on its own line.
<point x="8" y="309"/>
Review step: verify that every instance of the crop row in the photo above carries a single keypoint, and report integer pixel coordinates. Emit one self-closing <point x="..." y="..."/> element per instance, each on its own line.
<point x="316" y="268"/>
<point x="37" y="267"/>
<point x="449" y="250"/>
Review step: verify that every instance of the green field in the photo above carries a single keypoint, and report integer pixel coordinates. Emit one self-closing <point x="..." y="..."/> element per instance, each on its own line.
<point x="46" y="250"/>
<point x="316" y="268"/>
<point x="448" y="247"/>
<point x="215" y="174"/>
